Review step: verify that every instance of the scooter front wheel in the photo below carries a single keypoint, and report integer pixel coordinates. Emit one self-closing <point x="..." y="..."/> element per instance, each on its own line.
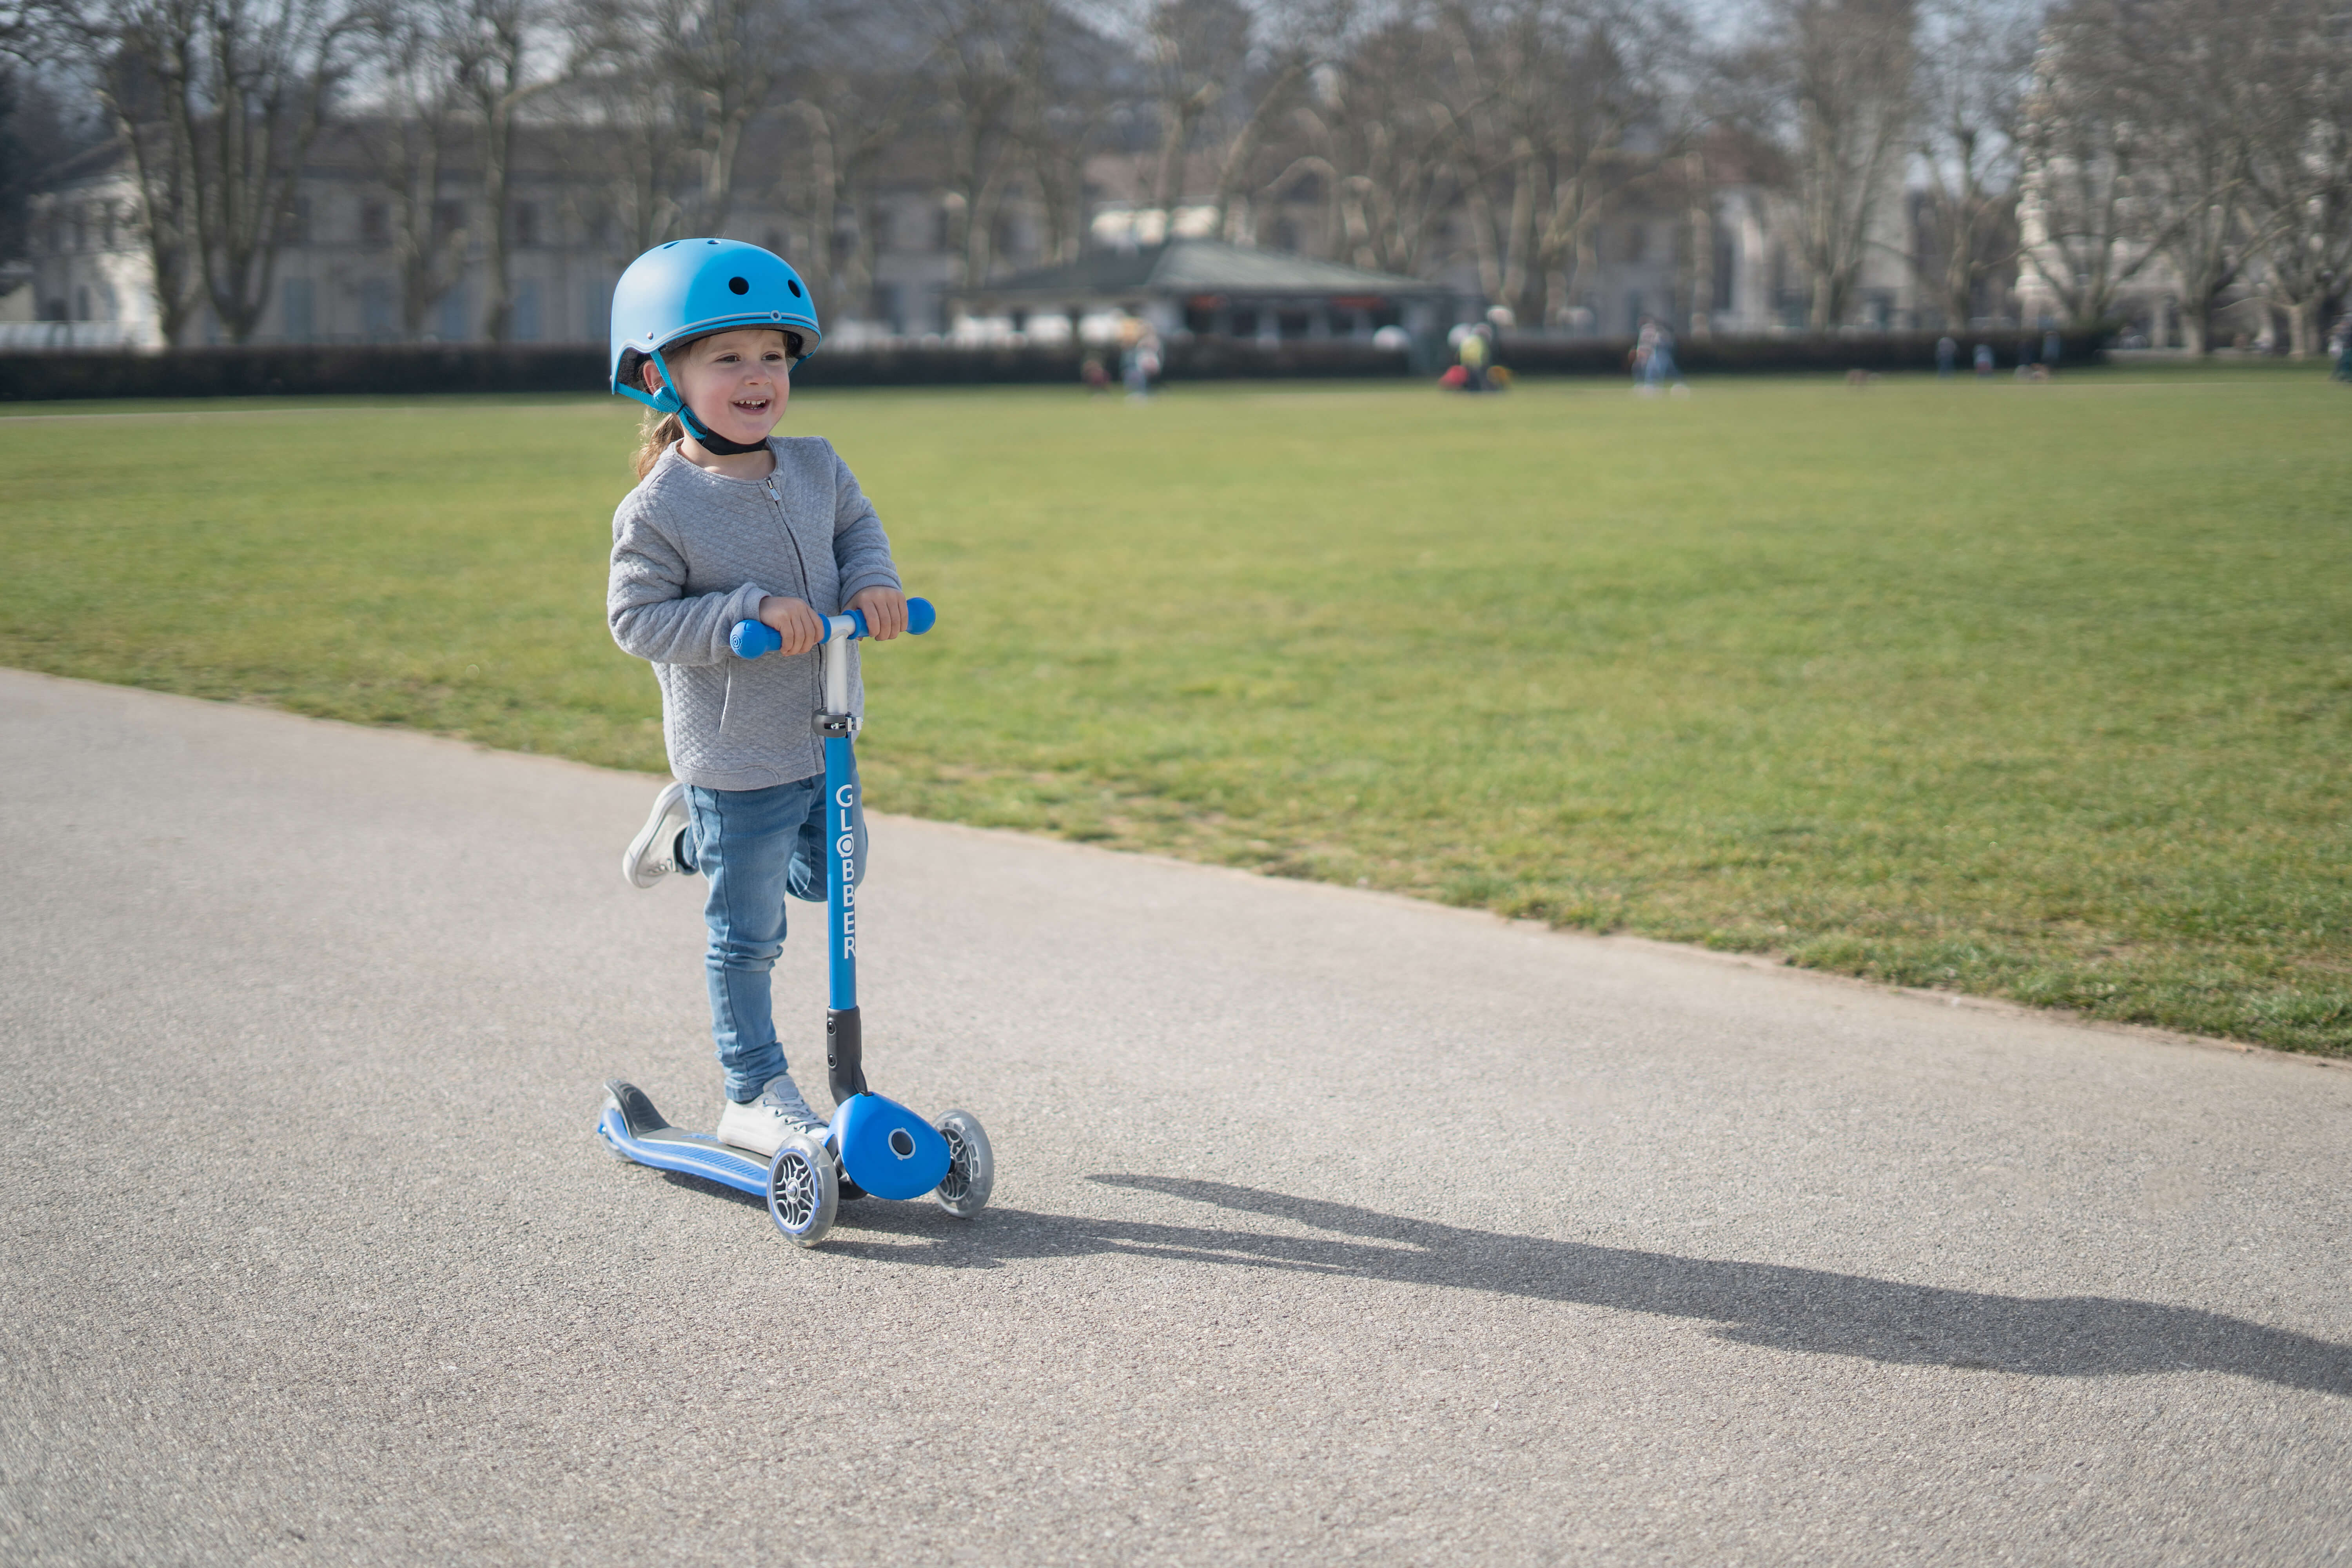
<point x="971" y="1167"/>
<point x="803" y="1192"/>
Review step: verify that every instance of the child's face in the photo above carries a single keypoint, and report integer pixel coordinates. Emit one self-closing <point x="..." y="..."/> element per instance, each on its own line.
<point x="737" y="383"/>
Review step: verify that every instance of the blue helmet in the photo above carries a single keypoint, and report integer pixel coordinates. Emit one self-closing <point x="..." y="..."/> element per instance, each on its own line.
<point x="690" y="288"/>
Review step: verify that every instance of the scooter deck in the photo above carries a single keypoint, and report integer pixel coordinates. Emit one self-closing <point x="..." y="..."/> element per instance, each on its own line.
<point x="636" y="1131"/>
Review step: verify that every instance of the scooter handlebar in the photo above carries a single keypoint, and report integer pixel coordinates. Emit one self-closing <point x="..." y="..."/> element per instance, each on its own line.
<point x="755" y="639"/>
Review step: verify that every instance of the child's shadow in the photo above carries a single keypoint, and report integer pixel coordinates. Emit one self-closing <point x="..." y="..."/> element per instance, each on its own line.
<point x="1808" y="1310"/>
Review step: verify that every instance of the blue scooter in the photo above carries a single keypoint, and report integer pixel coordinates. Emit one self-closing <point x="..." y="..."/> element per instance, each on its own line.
<point x="874" y="1145"/>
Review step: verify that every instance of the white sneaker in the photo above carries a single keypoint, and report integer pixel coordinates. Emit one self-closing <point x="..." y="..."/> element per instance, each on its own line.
<point x="651" y="854"/>
<point x="764" y="1125"/>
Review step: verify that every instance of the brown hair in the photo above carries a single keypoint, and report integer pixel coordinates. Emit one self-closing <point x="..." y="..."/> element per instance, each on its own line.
<point x="656" y="435"/>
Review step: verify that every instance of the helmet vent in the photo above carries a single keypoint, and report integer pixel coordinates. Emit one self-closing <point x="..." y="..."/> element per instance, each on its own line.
<point x="794" y="285"/>
<point x="739" y="285"/>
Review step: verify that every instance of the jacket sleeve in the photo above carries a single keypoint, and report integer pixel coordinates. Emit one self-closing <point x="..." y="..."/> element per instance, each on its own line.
<point x="646" y="604"/>
<point x="861" y="550"/>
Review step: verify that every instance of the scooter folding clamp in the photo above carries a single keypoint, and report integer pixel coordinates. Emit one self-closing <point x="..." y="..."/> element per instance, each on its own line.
<point x="838" y="724"/>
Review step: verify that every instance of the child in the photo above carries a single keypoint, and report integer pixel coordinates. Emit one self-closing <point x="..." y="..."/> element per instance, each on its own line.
<point x="730" y="524"/>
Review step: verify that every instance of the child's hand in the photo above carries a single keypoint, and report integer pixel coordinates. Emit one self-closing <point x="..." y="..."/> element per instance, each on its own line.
<point x="794" y="622"/>
<point x="885" y="610"/>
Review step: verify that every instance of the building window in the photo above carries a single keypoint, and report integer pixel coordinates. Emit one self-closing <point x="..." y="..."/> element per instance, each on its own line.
<point x="449" y="217"/>
<point x="296" y="299"/>
<point x="376" y="316"/>
<point x="375" y="224"/>
<point x="106" y="226"/>
<point x="295" y="229"/>
<point x="1637" y="241"/>
<point x="526" y="225"/>
<point x="451" y="324"/>
<point x="81" y="232"/>
<point x="526" y="311"/>
<point x="939" y="230"/>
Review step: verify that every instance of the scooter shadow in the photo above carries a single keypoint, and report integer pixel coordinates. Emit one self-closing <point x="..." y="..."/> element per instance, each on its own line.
<point x="1814" y="1310"/>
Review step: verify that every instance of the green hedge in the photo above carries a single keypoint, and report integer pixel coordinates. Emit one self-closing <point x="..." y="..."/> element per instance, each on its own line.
<point x="312" y="370"/>
<point x="1874" y="352"/>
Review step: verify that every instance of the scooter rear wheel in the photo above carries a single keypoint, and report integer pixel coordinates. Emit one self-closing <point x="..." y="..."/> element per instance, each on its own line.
<point x="803" y="1192"/>
<point x="971" y="1166"/>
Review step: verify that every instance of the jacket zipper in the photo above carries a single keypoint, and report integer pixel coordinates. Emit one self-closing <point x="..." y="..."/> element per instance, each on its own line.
<point x="808" y="589"/>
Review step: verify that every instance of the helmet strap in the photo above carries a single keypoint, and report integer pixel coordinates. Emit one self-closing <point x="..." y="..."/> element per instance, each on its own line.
<point x="720" y="444"/>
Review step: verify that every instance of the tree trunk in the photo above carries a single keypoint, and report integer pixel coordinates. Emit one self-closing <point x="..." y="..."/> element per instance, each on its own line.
<point x="2302" y="337"/>
<point x="1234" y="169"/>
<point x="1700" y="321"/>
<point x="498" y="146"/>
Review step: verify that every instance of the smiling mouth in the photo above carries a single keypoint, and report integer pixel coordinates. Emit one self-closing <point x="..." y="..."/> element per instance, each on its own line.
<point x="754" y="404"/>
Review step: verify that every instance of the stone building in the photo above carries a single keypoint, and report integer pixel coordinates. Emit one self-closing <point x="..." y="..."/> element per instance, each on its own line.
<point x="1714" y="256"/>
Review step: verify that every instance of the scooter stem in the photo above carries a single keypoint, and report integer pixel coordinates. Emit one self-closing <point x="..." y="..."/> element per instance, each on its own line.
<point x="844" y="1051"/>
<point x="837" y="724"/>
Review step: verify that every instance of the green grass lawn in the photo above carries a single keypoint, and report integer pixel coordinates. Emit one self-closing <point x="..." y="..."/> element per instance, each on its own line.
<point x="2036" y="692"/>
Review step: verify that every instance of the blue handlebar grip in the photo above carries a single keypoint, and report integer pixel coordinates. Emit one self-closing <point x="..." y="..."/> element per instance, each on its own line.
<point x="857" y="627"/>
<point x="750" y="639"/>
<point x="754" y="639"/>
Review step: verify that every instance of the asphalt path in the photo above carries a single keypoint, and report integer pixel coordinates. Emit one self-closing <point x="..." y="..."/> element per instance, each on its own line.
<point x="1331" y="1228"/>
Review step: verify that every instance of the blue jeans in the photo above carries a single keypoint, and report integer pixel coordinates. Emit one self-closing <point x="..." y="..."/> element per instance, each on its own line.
<point x="755" y="846"/>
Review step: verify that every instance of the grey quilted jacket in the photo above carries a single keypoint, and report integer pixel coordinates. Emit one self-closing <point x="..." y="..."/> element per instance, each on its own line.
<point x="693" y="554"/>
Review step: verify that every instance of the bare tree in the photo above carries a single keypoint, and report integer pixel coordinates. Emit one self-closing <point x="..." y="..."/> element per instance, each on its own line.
<point x="1975" y="62"/>
<point x="643" y="147"/>
<point x="2299" y="162"/>
<point x="1198" y="51"/>
<point x="40" y="128"/>
<point x="1359" y="125"/>
<point x="1562" y="115"/>
<point x="216" y="103"/>
<point x="2188" y="63"/>
<point x="502" y="68"/>
<point x="1840" y="75"/>
<point x="2089" y="223"/>
<point x="722" y="59"/>
<point x="990" y="67"/>
<point x="416" y="52"/>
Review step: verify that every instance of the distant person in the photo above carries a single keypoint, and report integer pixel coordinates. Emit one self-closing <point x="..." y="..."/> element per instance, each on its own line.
<point x="1475" y="345"/>
<point x="1661" y="366"/>
<point x="1140" y="363"/>
<point x="1653" y="358"/>
<point x="728" y="523"/>
<point x="2339" y="342"/>
<point x="1983" y="361"/>
<point x="1947" y="354"/>
<point x="2051" y="345"/>
<point x="1096" y="379"/>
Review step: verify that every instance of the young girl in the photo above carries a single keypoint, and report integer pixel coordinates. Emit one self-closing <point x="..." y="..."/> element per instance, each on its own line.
<point x="728" y="523"/>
